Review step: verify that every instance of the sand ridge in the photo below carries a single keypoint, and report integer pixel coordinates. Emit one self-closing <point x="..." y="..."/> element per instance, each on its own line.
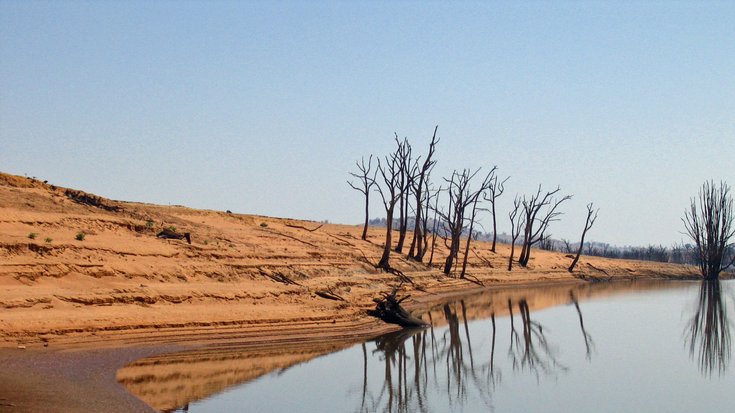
<point x="121" y="284"/>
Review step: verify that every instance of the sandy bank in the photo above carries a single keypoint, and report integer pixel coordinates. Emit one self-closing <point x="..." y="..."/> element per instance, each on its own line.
<point x="120" y="293"/>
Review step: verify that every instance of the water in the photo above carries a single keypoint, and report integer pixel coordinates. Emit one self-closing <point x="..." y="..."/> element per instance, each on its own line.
<point x="602" y="348"/>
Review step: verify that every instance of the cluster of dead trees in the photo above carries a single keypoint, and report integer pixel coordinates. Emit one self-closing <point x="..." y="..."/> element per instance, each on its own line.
<point x="403" y="180"/>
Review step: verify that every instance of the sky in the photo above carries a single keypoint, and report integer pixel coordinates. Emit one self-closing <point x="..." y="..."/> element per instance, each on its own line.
<point x="263" y="107"/>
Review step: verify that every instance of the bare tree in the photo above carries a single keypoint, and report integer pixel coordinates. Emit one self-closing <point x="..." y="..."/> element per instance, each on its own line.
<point x="587" y="225"/>
<point x="461" y="196"/>
<point x="709" y="222"/>
<point x="536" y="221"/>
<point x="516" y="221"/>
<point x="420" y="191"/>
<point x="406" y="175"/>
<point x="434" y="226"/>
<point x="494" y="191"/>
<point x="366" y="183"/>
<point x="567" y="247"/>
<point x="390" y="172"/>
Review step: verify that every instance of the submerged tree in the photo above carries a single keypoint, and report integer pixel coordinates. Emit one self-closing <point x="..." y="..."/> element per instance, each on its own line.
<point x="366" y="183"/>
<point x="587" y="225"/>
<point x="709" y="222"/>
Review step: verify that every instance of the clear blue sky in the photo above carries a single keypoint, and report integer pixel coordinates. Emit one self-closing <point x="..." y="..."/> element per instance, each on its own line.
<point x="263" y="107"/>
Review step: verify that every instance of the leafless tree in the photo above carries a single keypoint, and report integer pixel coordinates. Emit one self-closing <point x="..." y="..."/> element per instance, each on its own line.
<point x="516" y="222"/>
<point x="709" y="222"/>
<point x="494" y="191"/>
<point x="567" y="247"/>
<point x="366" y="183"/>
<point x="420" y="191"/>
<point x="591" y="217"/>
<point x="434" y="226"/>
<point x="406" y="175"/>
<point x="390" y="193"/>
<point x="536" y="221"/>
<point x="461" y="196"/>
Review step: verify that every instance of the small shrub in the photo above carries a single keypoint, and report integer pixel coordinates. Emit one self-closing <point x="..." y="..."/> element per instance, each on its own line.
<point x="149" y="224"/>
<point x="172" y="228"/>
<point x="206" y="242"/>
<point x="32" y="235"/>
<point x="263" y="224"/>
<point x="48" y="239"/>
<point x="80" y="236"/>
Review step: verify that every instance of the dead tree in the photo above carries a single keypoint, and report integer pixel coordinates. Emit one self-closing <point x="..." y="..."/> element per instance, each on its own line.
<point x="389" y="309"/>
<point x="537" y="222"/>
<point x="420" y="191"/>
<point x="461" y="196"/>
<point x="588" y="224"/>
<point x="516" y="222"/>
<point x="473" y="215"/>
<point x="406" y="175"/>
<point x="434" y="225"/>
<point x="366" y="183"/>
<point x="709" y="222"/>
<point x="494" y="191"/>
<point x="567" y="247"/>
<point x="390" y="173"/>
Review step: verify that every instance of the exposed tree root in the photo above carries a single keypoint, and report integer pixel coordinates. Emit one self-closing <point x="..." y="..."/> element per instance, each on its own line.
<point x="389" y="310"/>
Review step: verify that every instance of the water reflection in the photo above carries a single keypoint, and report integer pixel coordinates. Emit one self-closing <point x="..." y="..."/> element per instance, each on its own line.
<point x="708" y="330"/>
<point x="443" y="358"/>
<point x="478" y="351"/>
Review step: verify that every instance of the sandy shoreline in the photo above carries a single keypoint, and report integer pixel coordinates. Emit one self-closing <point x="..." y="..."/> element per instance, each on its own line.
<point x="73" y="311"/>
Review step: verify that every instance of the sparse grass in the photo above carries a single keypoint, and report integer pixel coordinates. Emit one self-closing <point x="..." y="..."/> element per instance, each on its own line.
<point x="149" y="224"/>
<point x="264" y="224"/>
<point x="32" y="235"/>
<point x="48" y="240"/>
<point x="172" y="228"/>
<point x="80" y="236"/>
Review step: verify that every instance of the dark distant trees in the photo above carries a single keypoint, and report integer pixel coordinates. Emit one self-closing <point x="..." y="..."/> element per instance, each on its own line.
<point x="587" y="225"/>
<point x="538" y="212"/>
<point x="420" y="189"/>
<point x="709" y="222"/>
<point x="366" y="183"/>
<point x="494" y="191"/>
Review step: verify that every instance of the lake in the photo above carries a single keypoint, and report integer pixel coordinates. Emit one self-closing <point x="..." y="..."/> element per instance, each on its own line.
<point x="603" y="347"/>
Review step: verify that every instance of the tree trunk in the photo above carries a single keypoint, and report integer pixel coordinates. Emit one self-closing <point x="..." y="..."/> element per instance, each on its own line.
<point x="367" y="216"/>
<point x="512" y="251"/>
<point x="495" y="229"/>
<point x="384" y="262"/>
<point x="579" y="252"/>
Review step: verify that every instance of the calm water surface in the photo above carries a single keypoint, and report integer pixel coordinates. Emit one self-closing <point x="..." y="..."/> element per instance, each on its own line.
<point x="597" y="348"/>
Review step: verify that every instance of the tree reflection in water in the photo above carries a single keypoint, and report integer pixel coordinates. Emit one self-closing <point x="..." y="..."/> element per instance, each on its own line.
<point x="433" y="359"/>
<point x="708" y="331"/>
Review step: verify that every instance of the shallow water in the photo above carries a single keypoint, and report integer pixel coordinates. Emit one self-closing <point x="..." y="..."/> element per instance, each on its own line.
<point x="603" y="348"/>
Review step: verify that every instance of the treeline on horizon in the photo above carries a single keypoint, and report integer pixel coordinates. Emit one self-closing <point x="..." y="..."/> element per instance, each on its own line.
<point x="676" y="254"/>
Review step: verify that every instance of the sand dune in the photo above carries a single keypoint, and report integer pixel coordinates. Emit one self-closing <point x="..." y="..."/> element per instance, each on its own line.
<point x="121" y="284"/>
